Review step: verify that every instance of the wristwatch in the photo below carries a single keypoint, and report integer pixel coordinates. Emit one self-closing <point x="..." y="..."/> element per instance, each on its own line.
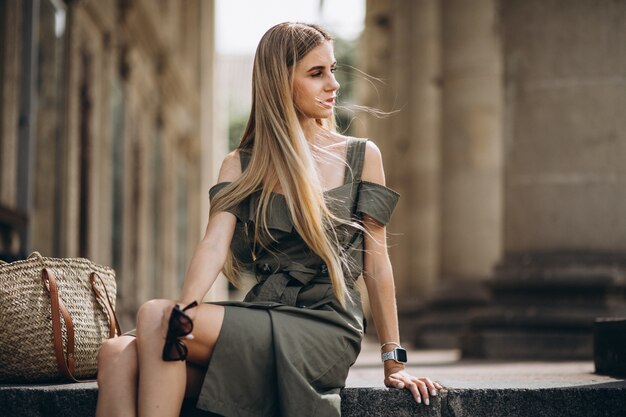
<point x="398" y="354"/>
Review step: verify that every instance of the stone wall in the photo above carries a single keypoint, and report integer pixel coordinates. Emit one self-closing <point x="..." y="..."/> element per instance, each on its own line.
<point x="117" y="101"/>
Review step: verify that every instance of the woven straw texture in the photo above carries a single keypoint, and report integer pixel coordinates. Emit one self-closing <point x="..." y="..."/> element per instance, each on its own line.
<point x="26" y="340"/>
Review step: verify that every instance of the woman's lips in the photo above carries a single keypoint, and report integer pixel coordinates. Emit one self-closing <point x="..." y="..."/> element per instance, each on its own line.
<point x="328" y="103"/>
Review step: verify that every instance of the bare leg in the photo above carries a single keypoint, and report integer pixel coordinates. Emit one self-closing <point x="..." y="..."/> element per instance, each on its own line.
<point x="162" y="385"/>
<point x="117" y="378"/>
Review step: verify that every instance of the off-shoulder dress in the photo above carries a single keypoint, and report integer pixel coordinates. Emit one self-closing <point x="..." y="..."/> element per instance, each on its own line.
<point x="287" y="348"/>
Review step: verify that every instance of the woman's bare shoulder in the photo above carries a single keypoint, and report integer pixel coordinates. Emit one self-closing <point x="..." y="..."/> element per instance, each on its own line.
<point x="373" y="164"/>
<point x="231" y="167"/>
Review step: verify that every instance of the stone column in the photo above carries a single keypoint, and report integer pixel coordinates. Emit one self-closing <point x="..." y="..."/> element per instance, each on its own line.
<point x="213" y="128"/>
<point x="471" y="164"/>
<point x="402" y="38"/>
<point x="11" y="80"/>
<point x="168" y="206"/>
<point x="564" y="247"/>
<point x="401" y="48"/>
<point x="49" y="118"/>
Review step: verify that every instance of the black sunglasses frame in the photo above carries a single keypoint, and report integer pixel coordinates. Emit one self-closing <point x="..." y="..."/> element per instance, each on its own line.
<point x="172" y="339"/>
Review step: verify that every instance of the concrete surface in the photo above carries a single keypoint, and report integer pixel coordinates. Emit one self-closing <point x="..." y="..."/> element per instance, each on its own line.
<point x="446" y="368"/>
<point x="473" y="389"/>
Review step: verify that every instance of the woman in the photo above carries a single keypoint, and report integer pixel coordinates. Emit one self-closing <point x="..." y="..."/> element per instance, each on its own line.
<point x="301" y="208"/>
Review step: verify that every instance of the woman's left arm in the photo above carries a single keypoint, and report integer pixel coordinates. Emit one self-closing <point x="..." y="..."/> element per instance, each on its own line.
<point x="378" y="276"/>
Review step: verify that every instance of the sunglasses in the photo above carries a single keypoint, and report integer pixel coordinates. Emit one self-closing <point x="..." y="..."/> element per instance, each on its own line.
<point x="180" y="325"/>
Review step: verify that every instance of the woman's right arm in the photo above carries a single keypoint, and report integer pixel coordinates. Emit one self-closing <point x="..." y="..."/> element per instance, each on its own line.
<point x="210" y="254"/>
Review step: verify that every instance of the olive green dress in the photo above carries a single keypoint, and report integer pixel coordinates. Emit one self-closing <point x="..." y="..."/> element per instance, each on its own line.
<point x="286" y="349"/>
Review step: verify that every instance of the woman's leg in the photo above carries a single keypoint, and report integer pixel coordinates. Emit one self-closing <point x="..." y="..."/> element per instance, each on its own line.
<point x="117" y="378"/>
<point x="162" y="385"/>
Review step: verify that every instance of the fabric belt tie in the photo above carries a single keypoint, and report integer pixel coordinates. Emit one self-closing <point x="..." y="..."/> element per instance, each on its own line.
<point x="283" y="283"/>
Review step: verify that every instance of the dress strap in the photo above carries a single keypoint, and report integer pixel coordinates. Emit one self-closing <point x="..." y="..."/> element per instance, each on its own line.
<point x="244" y="158"/>
<point x="355" y="157"/>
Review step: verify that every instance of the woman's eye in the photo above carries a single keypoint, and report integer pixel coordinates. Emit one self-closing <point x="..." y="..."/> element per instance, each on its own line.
<point x="321" y="73"/>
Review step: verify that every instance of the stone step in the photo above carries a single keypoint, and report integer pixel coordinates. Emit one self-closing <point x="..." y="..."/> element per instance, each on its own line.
<point x="79" y="400"/>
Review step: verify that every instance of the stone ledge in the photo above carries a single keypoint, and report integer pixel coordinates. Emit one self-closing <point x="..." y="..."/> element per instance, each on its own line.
<point x="603" y="400"/>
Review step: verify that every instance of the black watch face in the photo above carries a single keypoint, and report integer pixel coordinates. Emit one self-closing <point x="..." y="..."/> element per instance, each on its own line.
<point x="401" y="355"/>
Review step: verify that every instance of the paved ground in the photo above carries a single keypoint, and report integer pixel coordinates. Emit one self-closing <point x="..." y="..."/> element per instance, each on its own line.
<point x="446" y="368"/>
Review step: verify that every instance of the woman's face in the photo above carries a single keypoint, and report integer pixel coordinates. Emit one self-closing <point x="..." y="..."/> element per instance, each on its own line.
<point x="314" y="83"/>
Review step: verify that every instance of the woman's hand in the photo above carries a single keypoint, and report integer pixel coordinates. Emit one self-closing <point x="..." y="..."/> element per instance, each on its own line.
<point x="421" y="387"/>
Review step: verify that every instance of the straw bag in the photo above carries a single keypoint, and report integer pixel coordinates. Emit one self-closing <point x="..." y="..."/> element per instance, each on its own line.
<point x="54" y="315"/>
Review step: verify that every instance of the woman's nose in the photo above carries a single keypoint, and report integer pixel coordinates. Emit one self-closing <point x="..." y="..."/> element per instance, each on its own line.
<point x="333" y="85"/>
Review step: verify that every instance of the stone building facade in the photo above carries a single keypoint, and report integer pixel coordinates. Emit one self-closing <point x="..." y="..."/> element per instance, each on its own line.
<point x="106" y="143"/>
<point x="507" y="151"/>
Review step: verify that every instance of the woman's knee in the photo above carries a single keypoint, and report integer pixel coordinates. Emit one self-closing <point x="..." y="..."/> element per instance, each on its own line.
<point x="117" y="354"/>
<point x="150" y="313"/>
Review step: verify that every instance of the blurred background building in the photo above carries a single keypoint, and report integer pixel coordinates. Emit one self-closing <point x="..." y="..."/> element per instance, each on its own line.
<point x="508" y="154"/>
<point x="107" y="146"/>
<point x="505" y="139"/>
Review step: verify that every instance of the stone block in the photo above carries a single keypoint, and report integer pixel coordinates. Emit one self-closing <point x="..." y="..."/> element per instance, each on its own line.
<point x="570" y="402"/>
<point x="381" y="402"/>
<point x="609" y="346"/>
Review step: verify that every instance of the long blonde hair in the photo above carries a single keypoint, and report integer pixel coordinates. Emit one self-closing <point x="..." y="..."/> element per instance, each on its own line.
<point x="280" y="153"/>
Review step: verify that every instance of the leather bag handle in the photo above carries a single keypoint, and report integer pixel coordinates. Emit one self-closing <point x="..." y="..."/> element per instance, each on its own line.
<point x="57" y="308"/>
<point x="114" y="324"/>
<point x="66" y="363"/>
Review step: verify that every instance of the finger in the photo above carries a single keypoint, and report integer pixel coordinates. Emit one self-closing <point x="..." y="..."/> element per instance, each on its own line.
<point x="423" y="389"/>
<point x="438" y="385"/>
<point x="430" y="386"/>
<point x="411" y="386"/>
<point x="398" y="384"/>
